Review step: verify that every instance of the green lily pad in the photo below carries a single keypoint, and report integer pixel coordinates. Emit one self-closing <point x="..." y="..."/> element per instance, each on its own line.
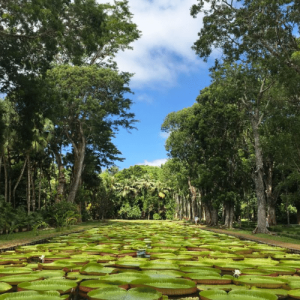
<point x="159" y="265"/>
<point x="31" y="295"/>
<point x="287" y="256"/>
<point x="4" y="287"/>
<point x="261" y="281"/>
<point x="12" y="271"/>
<point x="89" y="285"/>
<point x="207" y="278"/>
<point x="295" y="294"/>
<point x="163" y="273"/>
<point x="16" y="279"/>
<point x="127" y="277"/>
<point x="199" y="269"/>
<point x="115" y="293"/>
<point x="261" y="272"/>
<point x="63" y="286"/>
<point x="236" y="295"/>
<point x="277" y="292"/>
<point x="224" y="287"/>
<point x="78" y="276"/>
<point x="49" y="273"/>
<point x="176" y="286"/>
<point x="96" y="269"/>
<point x="280" y="270"/>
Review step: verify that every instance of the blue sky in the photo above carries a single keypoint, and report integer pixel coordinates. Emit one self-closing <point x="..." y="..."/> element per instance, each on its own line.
<point x="168" y="75"/>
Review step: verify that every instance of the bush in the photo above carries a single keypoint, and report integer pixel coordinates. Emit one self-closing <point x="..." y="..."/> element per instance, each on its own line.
<point x="156" y="216"/>
<point x="128" y="212"/>
<point x="61" y="214"/>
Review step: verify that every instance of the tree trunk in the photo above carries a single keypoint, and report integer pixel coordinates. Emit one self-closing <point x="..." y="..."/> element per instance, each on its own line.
<point x="271" y="195"/>
<point x="207" y="214"/>
<point x="18" y="181"/>
<point x="79" y="153"/>
<point x="33" y="191"/>
<point x="61" y="177"/>
<point x="193" y="194"/>
<point x="298" y="213"/>
<point x="229" y="214"/>
<point x="40" y="189"/>
<point x="211" y="214"/>
<point x="28" y="183"/>
<point x="214" y="219"/>
<point x="5" y="179"/>
<point x="258" y="178"/>
<point x="9" y="189"/>
<point x="0" y="166"/>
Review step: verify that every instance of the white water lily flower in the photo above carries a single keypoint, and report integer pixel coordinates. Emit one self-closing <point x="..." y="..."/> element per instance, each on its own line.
<point x="237" y="273"/>
<point x="42" y="258"/>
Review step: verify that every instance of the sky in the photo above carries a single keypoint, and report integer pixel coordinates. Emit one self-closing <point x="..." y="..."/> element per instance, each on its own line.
<point x="168" y="75"/>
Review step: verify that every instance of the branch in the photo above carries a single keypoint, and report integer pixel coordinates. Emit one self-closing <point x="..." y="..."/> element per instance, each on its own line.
<point x="29" y="37"/>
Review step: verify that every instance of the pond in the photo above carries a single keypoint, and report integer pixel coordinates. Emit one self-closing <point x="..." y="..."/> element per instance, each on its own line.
<point x="149" y="261"/>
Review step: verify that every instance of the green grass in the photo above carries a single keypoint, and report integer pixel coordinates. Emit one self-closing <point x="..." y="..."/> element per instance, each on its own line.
<point x="278" y="237"/>
<point x="13" y="239"/>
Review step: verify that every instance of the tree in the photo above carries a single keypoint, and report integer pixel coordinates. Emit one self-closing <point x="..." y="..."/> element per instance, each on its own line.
<point x="34" y="33"/>
<point x="90" y="104"/>
<point x="250" y="30"/>
<point x="260" y="36"/>
<point x="206" y="139"/>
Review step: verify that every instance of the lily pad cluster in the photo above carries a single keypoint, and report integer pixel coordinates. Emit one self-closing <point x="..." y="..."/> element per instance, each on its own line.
<point x="149" y="262"/>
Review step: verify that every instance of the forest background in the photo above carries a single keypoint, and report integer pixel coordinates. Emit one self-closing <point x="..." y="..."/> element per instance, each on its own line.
<point x="233" y="154"/>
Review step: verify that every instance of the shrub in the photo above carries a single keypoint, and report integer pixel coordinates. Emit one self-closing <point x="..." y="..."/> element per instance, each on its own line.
<point x="156" y="216"/>
<point x="128" y="212"/>
<point x="61" y="214"/>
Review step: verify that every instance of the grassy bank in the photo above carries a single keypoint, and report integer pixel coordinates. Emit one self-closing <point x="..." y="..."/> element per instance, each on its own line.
<point x="20" y="238"/>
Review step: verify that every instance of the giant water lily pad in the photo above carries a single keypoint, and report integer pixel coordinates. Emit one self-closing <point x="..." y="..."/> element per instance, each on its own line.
<point x="127" y="277"/>
<point x="16" y="279"/>
<point x="236" y="295"/>
<point x="159" y="265"/>
<point x="12" y="271"/>
<point x="89" y="285"/>
<point x="143" y="293"/>
<point x="168" y="286"/>
<point x="208" y="278"/>
<point x="4" y="287"/>
<point x="62" y="286"/>
<point x="282" y="293"/>
<point x="261" y="281"/>
<point x="261" y="272"/>
<point x="163" y="273"/>
<point x="32" y="295"/>
<point x="224" y="287"/>
<point x="58" y="265"/>
<point x="96" y="269"/>
<point x="49" y="273"/>
<point x="280" y="270"/>
<point x="295" y="294"/>
<point x="199" y="269"/>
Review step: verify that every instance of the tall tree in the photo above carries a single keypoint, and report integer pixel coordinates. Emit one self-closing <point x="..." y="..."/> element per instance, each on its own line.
<point x="90" y="103"/>
<point x="252" y="30"/>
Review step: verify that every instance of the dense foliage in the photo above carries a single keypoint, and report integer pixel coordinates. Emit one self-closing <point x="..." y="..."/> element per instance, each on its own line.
<point x="233" y="155"/>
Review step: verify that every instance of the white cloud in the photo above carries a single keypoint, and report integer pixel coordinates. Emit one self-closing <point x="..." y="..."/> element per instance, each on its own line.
<point x="144" y="98"/>
<point x="154" y="163"/>
<point x="164" y="50"/>
<point x="164" y="135"/>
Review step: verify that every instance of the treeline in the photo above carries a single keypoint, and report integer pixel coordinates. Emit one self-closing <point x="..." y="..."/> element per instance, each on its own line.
<point x="241" y="139"/>
<point x="64" y="99"/>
